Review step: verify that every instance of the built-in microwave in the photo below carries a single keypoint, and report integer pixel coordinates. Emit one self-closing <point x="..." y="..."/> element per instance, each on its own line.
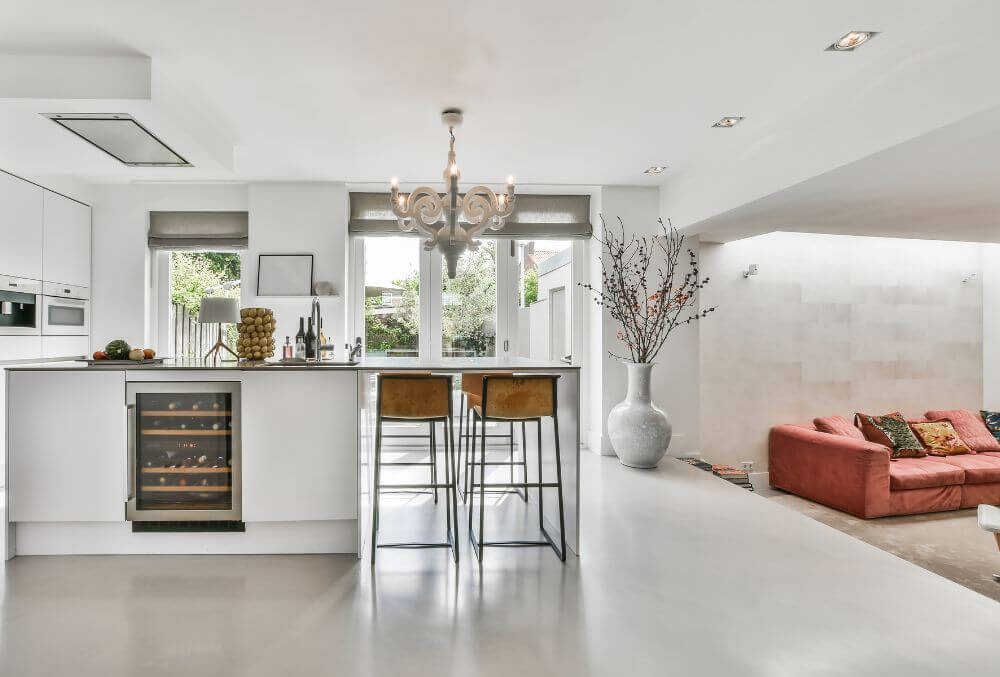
<point x="65" y="310"/>
<point x="20" y="310"/>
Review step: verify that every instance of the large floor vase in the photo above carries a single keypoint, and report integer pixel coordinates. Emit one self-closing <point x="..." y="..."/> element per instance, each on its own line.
<point x="639" y="430"/>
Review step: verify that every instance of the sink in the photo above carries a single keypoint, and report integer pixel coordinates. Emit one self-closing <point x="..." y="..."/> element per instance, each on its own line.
<point x="310" y="365"/>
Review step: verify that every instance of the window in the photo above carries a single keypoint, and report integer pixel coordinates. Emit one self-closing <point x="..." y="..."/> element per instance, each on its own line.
<point x="184" y="278"/>
<point x="392" y="296"/>
<point x="545" y="321"/>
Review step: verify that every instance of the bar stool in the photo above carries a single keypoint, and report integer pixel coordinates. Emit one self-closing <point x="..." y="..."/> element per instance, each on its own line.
<point x="524" y="399"/>
<point x="422" y="398"/>
<point x="431" y="463"/>
<point x="472" y="391"/>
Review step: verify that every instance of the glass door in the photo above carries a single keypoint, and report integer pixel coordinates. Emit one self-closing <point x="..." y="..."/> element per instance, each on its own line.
<point x="392" y="296"/>
<point x="468" y="304"/>
<point x="542" y="307"/>
<point x="184" y="461"/>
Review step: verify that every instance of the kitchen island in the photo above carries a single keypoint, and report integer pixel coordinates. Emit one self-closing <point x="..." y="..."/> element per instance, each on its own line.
<point x="301" y="477"/>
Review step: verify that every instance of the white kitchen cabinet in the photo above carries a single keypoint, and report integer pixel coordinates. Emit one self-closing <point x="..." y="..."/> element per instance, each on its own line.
<point x="20" y="228"/>
<point x="20" y="347"/>
<point x="65" y="346"/>
<point x="67" y="241"/>
<point x="299" y="436"/>
<point x="67" y="446"/>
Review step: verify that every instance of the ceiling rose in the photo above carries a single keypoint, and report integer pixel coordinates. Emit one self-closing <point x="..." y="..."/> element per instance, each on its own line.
<point x="450" y="221"/>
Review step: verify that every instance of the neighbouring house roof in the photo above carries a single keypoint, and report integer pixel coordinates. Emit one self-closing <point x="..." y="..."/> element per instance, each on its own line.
<point x="372" y="291"/>
<point x="535" y="258"/>
<point x="554" y="261"/>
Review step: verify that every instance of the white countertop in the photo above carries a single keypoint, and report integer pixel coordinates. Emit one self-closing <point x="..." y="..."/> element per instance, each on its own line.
<point x="374" y="364"/>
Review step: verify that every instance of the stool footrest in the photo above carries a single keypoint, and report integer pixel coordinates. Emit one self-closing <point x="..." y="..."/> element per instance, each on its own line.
<point x="384" y="464"/>
<point x="515" y="485"/>
<point x="414" y="486"/>
<point x="413" y="545"/>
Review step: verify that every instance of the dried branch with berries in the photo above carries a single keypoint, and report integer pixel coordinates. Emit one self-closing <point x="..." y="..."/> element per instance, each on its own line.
<point x="643" y="290"/>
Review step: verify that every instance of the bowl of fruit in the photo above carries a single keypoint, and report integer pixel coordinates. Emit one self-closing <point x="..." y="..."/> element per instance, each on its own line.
<point x="120" y="352"/>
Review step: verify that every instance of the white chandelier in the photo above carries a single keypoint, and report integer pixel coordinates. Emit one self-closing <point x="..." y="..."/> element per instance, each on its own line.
<point x="479" y="209"/>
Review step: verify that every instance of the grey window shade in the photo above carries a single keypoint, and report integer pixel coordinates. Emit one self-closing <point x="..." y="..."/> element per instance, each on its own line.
<point x="198" y="230"/>
<point x="552" y="217"/>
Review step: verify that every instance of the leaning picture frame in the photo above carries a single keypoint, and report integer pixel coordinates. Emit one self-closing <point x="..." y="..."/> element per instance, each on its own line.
<point x="284" y="274"/>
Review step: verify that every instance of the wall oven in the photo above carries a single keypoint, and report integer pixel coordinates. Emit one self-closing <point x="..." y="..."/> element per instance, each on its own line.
<point x="184" y="452"/>
<point x="20" y="310"/>
<point x="65" y="310"/>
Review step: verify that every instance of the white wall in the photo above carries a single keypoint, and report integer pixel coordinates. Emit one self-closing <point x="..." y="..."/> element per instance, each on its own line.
<point x="284" y="218"/>
<point x="300" y="218"/>
<point x="121" y="280"/>
<point x="833" y="325"/>
<point x="991" y="326"/>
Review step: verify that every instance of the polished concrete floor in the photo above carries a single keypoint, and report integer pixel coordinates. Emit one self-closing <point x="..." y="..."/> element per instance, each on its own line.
<point x="950" y="544"/>
<point x="679" y="574"/>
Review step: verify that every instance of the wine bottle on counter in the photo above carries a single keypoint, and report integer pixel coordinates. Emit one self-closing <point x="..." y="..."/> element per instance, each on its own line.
<point x="300" y="340"/>
<point x="310" y="341"/>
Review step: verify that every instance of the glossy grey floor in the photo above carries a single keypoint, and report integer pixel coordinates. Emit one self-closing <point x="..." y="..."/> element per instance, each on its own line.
<point x="681" y="573"/>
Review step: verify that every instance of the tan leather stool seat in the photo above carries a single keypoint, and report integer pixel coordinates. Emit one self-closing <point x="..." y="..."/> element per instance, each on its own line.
<point x="508" y="397"/>
<point x="472" y="385"/>
<point x="414" y="396"/>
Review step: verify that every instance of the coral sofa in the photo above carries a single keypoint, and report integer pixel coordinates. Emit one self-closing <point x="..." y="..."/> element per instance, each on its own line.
<point x="849" y="473"/>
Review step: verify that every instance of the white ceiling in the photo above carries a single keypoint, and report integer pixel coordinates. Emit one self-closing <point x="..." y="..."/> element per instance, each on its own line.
<point x="942" y="185"/>
<point x="555" y="92"/>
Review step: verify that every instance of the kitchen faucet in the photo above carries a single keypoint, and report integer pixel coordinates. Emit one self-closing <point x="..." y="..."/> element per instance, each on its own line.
<point x="355" y="351"/>
<point x="317" y="319"/>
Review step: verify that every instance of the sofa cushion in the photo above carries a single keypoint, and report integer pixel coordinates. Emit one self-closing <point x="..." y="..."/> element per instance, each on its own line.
<point x="920" y="473"/>
<point x="979" y="468"/>
<point x="940" y="439"/>
<point x="892" y="431"/>
<point x="838" y="425"/>
<point x="970" y="427"/>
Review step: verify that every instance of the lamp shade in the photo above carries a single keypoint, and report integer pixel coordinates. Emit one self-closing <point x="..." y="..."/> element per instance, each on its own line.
<point x="216" y="309"/>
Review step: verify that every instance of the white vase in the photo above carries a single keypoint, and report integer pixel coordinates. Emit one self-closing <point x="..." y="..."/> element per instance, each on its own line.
<point x="639" y="430"/>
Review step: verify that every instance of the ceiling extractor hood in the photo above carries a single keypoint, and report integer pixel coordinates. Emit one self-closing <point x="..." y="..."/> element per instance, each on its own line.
<point x="122" y="137"/>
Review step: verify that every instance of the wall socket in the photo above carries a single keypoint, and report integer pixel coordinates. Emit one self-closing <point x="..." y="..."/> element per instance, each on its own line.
<point x="748" y="466"/>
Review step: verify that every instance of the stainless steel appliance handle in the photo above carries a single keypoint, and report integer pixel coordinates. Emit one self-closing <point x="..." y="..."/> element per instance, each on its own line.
<point x="130" y="413"/>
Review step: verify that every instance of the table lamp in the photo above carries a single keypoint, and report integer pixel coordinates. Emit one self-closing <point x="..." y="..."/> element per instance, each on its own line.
<point x="222" y="311"/>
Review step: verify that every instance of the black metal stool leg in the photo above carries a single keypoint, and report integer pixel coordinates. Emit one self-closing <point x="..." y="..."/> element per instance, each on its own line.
<point x="482" y="493"/>
<point x="524" y="458"/>
<point x="511" y="452"/>
<point x="451" y="473"/>
<point x="378" y="479"/>
<point x="461" y="420"/>
<point x="433" y="455"/>
<point x="541" y="491"/>
<point x="470" y="457"/>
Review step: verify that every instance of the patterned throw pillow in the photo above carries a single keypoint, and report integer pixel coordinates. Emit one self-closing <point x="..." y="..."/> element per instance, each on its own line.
<point x="893" y="431"/>
<point x="940" y="438"/>
<point x="992" y="421"/>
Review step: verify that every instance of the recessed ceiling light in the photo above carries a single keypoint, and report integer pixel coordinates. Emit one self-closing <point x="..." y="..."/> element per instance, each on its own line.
<point x="728" y="121"/>
<point x="851" y="41"/>
<point x="655" y="169"/>
<point x="121" y="137"/>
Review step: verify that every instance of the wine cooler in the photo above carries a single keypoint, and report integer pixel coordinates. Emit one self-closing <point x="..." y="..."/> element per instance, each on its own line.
<point x="184" y="452"/>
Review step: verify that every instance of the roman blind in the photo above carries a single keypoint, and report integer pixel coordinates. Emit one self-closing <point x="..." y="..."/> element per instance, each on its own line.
<point x="535" y="217"/>
<point x="198" y="230"/>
